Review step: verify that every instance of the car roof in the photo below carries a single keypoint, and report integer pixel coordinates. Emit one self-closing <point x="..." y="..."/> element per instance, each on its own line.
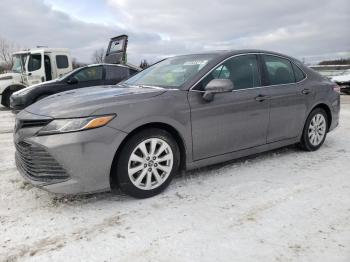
<point x="117" y="65"/>
<point x="229" y="53"/>
<point x="42" y="49"/>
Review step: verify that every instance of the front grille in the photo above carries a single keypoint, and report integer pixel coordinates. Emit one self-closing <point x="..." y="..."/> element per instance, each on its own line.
<point x="37" y="163"/>
<point x="32" y="123"/>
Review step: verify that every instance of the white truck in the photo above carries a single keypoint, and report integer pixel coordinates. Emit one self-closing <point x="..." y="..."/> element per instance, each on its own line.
<point x="34" y="66"/>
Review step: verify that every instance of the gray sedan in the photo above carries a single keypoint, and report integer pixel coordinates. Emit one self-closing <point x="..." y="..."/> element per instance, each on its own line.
<point x="184" y="112"/>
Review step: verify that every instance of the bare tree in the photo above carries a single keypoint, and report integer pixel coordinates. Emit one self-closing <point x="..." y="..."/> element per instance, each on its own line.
<point x="98" y="56"/>
<point x="144" y="64"/>
<point x="6" y="50"/>
<point x="76" y="63"/>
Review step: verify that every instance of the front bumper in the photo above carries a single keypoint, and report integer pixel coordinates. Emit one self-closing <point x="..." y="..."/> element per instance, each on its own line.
<point x="86" y="157"/>
<point x="17" y="103"/>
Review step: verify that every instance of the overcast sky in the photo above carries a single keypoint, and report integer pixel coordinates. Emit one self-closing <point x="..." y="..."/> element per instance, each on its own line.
<point x="310" y="29"/>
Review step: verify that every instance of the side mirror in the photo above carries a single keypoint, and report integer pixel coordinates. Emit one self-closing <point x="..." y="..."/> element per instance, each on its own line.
<point x="72" y="81"/>
<point x="216" y="86"/>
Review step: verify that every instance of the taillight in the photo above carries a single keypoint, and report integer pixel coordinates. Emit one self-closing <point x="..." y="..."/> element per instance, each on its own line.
<point x="336" y="88"/>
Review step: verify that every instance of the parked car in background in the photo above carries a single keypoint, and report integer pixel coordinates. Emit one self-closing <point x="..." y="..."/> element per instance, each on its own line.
<point x="183" y="112"/>
<point x="343" y="80"/>
<point x="91" y="75"/>
<point x="34" y="66"/>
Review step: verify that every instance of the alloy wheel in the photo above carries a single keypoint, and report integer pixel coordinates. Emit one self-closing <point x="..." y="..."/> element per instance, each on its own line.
<point x="150" y="163"/>
<point x="317" y="129"/>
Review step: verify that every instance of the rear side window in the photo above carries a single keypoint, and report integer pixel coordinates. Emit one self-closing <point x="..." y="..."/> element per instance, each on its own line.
<point x="61" y="61"/>
<point x="34" y="62"/>
<point x="279" y="70"/>
<point x="116" y="72"/>
<point x="299" y="74"/>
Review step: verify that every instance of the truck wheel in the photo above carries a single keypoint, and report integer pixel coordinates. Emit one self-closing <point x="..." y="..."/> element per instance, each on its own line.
<point x="6" y="98"/>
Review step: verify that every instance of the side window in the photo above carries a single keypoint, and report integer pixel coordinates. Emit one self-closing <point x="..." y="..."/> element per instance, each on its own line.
<point x="62" y="61"/>
<point x="299" y="74"/>
<point x="279" y="70"/>
<point x="89" y="74"/>
<point x="221" y="72"/>
<point x="34" y="62"/>
<point x="242" y="70"/>
<point x="116" y="72"/>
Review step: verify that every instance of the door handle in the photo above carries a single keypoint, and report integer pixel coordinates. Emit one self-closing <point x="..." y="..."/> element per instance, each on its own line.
<point x="306" y="91"/>
<point x="261" y="98"/>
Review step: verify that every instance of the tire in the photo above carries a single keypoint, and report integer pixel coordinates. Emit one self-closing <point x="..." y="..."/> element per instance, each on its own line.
<point x="139" y="170"/>
<point x="315" y="130"/>
<point x="6" y="98"/>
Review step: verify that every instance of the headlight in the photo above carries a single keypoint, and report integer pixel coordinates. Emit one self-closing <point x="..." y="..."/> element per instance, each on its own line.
<point x="75" y="124"/>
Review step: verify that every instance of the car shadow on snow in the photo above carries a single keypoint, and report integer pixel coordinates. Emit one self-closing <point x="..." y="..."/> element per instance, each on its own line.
<point x="215" y="169"/>
<point x="182" y="178"/>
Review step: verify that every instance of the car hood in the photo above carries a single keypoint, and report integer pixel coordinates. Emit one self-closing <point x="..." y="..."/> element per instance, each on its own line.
<point x="85" y="101"/>
<point x="29" y="88"/>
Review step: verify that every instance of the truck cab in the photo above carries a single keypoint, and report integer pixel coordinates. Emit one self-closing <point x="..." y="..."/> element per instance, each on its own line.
<point x="32" y="67"/>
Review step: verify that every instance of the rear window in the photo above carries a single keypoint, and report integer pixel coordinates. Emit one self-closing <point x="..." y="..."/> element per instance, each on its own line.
<point x="116" y="72"/>
<point x="62" y="61"/>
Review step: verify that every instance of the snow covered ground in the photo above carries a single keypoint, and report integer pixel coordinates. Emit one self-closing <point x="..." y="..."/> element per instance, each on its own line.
<point x="285" y="205"/>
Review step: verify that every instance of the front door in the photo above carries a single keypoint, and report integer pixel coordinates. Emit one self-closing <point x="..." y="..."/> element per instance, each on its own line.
<point x="35" y="68"/>
<point x="231" y="121"/>
<point x="87" y="76"/>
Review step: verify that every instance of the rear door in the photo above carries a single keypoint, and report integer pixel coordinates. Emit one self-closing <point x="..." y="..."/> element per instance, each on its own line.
<point x="287" y="100"/>
<point x="63" y="64"/>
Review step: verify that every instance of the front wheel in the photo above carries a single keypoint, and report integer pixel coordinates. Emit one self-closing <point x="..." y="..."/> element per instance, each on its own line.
<point x="6" y="98"/>
<point x="315" y="130"/>
<point x="147" y="163"/>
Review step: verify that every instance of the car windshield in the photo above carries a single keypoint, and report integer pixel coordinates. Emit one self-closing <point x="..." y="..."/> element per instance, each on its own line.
<point x="19" y="62"/>
<point x="171" y="72"/>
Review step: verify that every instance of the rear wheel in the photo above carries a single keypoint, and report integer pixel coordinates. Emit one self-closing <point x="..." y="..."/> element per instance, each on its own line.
<point x="315" y="130"/>
<point x="147" y="163"/>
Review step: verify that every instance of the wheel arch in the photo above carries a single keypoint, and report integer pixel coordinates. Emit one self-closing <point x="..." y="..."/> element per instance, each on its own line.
<point x="169" y="128"/>
<point x="13" y="88"/>
<point x="327" y="109"/>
